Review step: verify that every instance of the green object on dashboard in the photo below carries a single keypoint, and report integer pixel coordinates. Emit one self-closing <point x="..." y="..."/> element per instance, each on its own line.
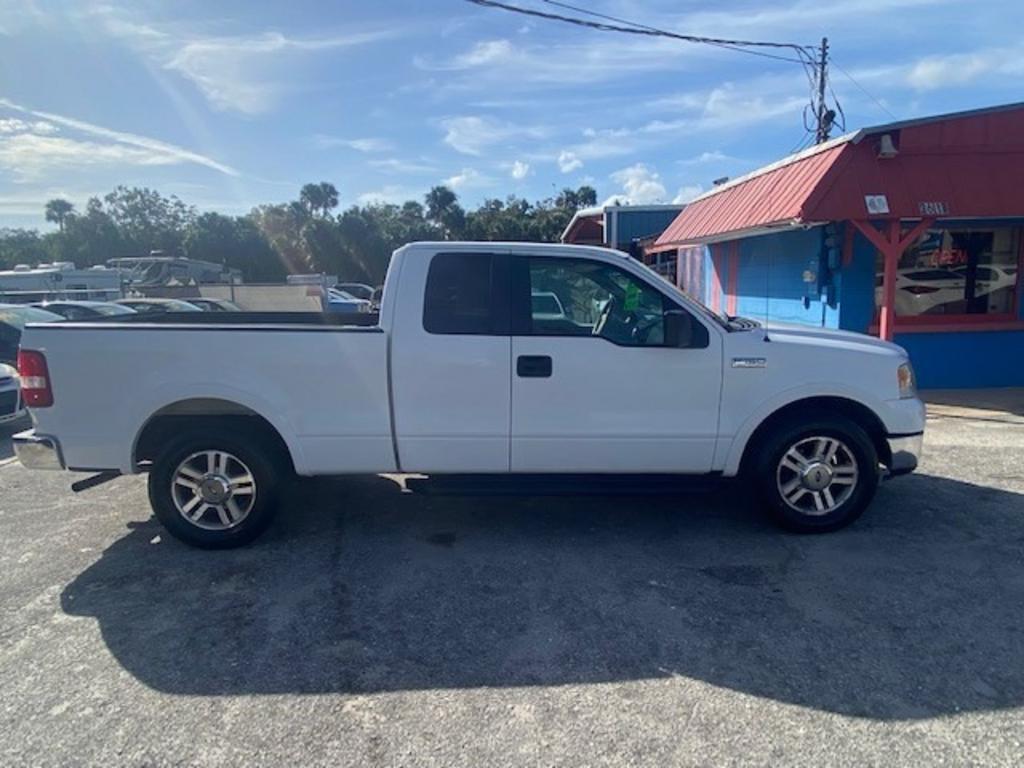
<point x="632" y="301"/>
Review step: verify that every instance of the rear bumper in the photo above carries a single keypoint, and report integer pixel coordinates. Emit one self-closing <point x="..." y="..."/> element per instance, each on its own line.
<point x="905" y="452"/>
<point x="38" y="451"/>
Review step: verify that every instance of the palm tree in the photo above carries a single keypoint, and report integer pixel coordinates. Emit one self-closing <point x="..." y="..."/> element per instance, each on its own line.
<point x="320" y="197"/>
<point x="329" y="196"/>
<point x="444" y="210"/>
<point x="58" y="210"/>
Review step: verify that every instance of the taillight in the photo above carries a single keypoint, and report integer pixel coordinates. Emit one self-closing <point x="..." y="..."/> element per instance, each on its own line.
<point x="35" y="379"/>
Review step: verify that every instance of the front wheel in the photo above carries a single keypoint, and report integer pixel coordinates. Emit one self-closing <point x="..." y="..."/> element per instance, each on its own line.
<point x="214" y="491"/>
<point x="817" y="476"/>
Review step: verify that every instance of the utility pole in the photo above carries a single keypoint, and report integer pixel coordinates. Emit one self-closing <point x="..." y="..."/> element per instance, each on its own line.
<point x="823" y="116"/>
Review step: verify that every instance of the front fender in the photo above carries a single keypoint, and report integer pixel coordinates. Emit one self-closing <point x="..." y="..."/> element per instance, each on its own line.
<point x="730" y="448"/>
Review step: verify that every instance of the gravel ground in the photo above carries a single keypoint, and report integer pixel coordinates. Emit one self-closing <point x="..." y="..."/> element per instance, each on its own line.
<point x="375" y="627"/>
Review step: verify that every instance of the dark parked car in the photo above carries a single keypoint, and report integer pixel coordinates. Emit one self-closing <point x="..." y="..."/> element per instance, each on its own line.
<point x="85" y="310"/>
<point x="13" y="318"/>
<point x="359" y="290"/>
<point x="158" y="306"/>
<point x="215" y="305"/>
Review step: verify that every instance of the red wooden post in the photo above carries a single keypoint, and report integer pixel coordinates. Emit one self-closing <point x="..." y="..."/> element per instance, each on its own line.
<point x="891" y="257"/>
<point x="891" y="247"/>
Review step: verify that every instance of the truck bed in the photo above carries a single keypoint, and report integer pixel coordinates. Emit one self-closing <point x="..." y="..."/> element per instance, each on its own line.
<point x="320" y="381"/>
<point x="334" y="319"/>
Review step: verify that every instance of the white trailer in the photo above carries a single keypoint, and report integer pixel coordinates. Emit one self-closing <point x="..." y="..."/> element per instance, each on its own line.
<point x="59" y="280"/>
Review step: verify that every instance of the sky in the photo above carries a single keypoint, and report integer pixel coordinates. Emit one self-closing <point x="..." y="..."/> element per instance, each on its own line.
<point x="232" y="103"/>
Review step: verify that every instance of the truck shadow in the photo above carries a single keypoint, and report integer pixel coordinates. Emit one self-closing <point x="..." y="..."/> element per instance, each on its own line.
<point x="914" y="612"/>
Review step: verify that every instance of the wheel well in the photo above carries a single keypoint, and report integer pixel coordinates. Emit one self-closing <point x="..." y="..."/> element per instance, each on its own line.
<point x="856" y="412"/>
<point x="207" y="414"/>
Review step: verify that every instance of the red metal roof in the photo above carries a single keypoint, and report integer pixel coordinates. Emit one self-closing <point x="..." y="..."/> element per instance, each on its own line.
<point x="585" y="229"/>
<point x="970" y="164"/>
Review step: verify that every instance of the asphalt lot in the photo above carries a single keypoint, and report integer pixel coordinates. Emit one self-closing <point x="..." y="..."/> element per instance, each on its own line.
<point x="372" y="627"/>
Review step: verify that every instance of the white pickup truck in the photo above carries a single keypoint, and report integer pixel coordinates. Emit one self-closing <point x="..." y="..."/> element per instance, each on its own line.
<point x="463" y="376"/>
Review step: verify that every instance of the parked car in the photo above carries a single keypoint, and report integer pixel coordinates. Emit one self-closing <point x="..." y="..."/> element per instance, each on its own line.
<point x="460" y="377"/>
<point x="11" y="408"/>
<point x="85" y="310"/>
<point x="215" y="305"/>
<point x="158" y="306"/>
<point x="995" y="281"/>
<point x="359" y="290"/>
<point x="925" y="290"/>
<point x="343" y="302"/>
<point x="13" y="318"/>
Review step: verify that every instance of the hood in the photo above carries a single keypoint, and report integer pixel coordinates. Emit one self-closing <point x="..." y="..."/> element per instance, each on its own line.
<point x="792" y="332"/>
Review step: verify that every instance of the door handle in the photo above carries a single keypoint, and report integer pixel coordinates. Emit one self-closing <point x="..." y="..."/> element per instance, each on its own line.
<point x="533" y="366"/>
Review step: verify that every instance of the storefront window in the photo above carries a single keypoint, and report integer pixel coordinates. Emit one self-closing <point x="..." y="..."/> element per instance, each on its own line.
<point x="956" y="272"/>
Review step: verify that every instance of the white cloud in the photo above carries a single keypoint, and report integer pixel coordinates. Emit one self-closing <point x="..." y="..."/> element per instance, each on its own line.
<point x="243" y="73"/>
<point x="934" y="72"/>
<point x="714" y="156"/>
<point x="471" y="134"/>
<point x="525" y="65"/>
<point x="119" y="146"/>
<point x="520" y="170"/>
<point x="368" y="144"/>
<point x="640" y="184"/>
<point x="28" y="155"/>
<point x="38" y="127"/>
<point x="568" y="161"/>
<point x="467" y="177"/>
<point x="482" y="53"/>
<point x="390" y="194"/>
<point x="397" y="165"/>
<point x="687" y="193"/>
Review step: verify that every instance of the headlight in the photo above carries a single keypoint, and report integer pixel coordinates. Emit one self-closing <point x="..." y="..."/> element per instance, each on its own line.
<point x="906" y="381"/>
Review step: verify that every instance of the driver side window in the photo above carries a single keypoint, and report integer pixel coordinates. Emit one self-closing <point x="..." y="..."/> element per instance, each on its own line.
<point x="579" y="297"/>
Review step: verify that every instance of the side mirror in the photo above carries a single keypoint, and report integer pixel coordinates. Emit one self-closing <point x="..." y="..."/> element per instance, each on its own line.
<point x="678" y="328"/>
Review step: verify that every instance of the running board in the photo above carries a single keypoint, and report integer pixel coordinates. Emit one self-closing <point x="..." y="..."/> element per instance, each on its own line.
<point x="562" y="485"/>
<point x="91" y="482"/>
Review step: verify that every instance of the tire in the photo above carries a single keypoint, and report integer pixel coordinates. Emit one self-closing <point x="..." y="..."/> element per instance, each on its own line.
<point x="234" y="498"/>
<point x="833" y="485"/>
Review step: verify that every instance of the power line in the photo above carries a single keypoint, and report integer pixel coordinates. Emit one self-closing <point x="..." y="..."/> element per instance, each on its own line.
<point x="635" y="29"/>
<point x="654" y="31"/>
<point x="865" y="91"/>
<point x="813" y="59"/>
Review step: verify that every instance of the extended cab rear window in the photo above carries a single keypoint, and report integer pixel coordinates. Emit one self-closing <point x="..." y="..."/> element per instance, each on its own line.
<point x="460" y="295"/>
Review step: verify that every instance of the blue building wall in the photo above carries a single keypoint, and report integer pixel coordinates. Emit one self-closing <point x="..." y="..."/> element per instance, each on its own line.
<point x="769" y="283"/>
<point x="769" y="280"/>
<point x="961" y="360"/>
<point x="857" y="294"/>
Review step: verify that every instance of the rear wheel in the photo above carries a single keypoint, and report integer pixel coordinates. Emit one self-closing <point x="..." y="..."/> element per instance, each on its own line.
<point x="817" y="476"/>
<point x="214" y="491"/>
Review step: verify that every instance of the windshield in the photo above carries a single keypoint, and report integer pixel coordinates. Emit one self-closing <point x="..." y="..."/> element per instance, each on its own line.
<point x="20" y="316"/>
<point x="113" y="309"/>
<point x="182" y="306"/>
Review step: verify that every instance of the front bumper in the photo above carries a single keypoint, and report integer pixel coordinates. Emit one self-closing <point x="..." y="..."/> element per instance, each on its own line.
<point x="37" y="451"/>
<point x="905" y="452"/>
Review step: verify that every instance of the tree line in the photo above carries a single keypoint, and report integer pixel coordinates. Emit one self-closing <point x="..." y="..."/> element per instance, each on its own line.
<point x="271" y="241"/>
